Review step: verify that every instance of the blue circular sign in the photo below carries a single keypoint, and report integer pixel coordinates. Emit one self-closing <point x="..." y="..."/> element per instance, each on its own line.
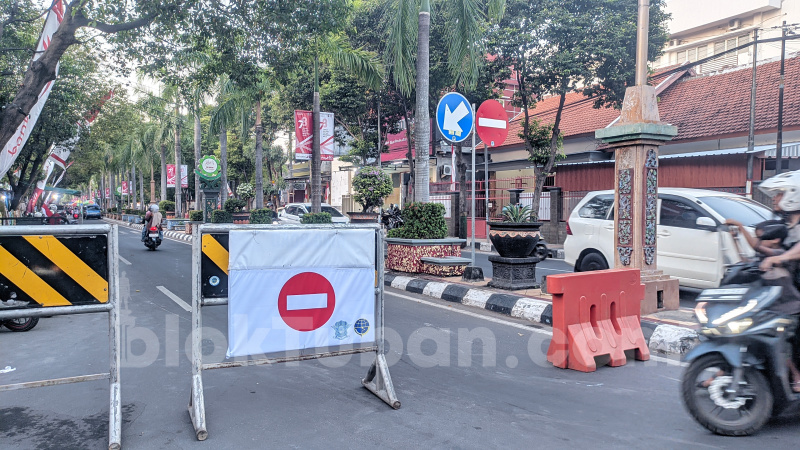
<point x="361" y="326"/>
<point x="455" y="117"/>
<point x="213" y="280"/>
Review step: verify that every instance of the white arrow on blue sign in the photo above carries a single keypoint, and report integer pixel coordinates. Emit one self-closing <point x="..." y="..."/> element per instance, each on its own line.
<point x="454" y="117"/>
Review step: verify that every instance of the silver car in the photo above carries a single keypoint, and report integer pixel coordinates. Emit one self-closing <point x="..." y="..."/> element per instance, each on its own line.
<point x="293" y="212"/>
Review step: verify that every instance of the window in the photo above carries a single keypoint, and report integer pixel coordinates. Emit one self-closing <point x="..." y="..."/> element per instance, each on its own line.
<point x="676" y="213"/>
<point x="293" y="210"/>
<point x="744" y="210"/>
<point x="332" y="211"/>
<point x="597" y="207"/>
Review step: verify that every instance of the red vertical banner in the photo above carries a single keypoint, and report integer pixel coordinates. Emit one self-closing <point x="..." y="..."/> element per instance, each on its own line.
<point x="303" y="135"/>
<point x="108" y="192"/>
<point x="170" y="175"/>
<point x="124" y="188"/>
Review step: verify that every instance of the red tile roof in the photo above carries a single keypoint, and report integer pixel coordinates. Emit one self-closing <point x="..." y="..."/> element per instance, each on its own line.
<point x="702" y="107"/>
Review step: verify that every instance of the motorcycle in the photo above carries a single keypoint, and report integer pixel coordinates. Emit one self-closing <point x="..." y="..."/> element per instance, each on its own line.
<point x="737" y="378"/>
<point x="540" y="250"/>
<point x="392" y="218"/>
<point x="19" y="324"/>
<point x="152" y="238"/>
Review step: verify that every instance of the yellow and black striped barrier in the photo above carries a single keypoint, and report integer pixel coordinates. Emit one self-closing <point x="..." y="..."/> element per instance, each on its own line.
<point x="54" y="270"/>
<point x="214" y="265"/>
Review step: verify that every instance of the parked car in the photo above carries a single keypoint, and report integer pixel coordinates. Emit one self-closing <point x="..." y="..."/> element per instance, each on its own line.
<point x="92" y="212"/>
<point x="294" y="211"/>
<point x="690" y="247"/>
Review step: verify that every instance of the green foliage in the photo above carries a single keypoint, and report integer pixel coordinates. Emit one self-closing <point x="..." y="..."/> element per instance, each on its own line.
<point x="166" y="205"/>
<point x="233" y="205"/>
<point x="196" y="216"/>
<point x="320" y="217"/>
<point x="539" y="141"/>
<point x="221" y="216"/>
<point x="422" y="221"/>
<point x="263" y="215"/>
<point x="371" y="186"/>
<point x="518" y="214"/>
<point x="246" y="191"/>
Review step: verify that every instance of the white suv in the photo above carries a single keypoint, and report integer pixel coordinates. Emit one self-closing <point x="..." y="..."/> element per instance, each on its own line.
<point x="690" y="247"/>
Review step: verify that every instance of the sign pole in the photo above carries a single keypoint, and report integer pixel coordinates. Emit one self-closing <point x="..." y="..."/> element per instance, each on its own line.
<point x="486" y="183"/>
<point x="473" y="192"/>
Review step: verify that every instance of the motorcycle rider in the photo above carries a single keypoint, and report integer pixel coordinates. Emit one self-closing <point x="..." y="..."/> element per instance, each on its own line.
<point x="785" y="192"/>
<point x="152" y="219"/>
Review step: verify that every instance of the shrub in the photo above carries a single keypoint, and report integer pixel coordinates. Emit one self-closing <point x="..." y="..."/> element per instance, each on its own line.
<point x="233" y="205"/>
<point x="320" y="217"/>
<point x="518" y="214"/>
<point x="246" y="191"/>
<point x="421" y="221"/>
<point x="195" y="215"/>
<point x="263" y="215"/>
<point x="221" y="216"/>
<point x="166" y="205"/>
<point x="371" y="186"/>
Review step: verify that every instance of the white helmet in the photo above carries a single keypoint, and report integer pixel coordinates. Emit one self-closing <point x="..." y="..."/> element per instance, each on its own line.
<point x="154" y="207"/>
<point x="788" y="184"/>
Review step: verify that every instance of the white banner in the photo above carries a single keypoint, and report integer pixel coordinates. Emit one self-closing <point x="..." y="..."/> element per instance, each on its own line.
<point x="14" y="145"/>
<point x="300" y="289"/>
<point x="326" y="127"/>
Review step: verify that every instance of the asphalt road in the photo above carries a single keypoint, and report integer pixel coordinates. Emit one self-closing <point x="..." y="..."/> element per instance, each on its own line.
<point x="466" y="378"/>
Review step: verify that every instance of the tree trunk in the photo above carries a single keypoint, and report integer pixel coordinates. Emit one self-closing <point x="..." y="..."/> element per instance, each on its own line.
<point x="223" y="157"/>
<point x="141" y="192"/>
<point x="132" y="187"/>
<point x="410" y="157"/>
<point x="422" y="125"/>
<point x="316" y="162"/>
<point x="197" y="193"/>
<point x="163" y="172"/>
<point x="541" y="177"/>
<point x="152" y="182"/>
<point x="178" y="205"/>
<point x="259" y="158"/>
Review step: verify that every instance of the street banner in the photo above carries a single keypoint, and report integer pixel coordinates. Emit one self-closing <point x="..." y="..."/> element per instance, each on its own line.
<point x="326" y="126"/>
<point x="108" y="193"/>
<point x="282" y="297"/>
<point x="12" y="148"/>
<point x="302" y="135"/>
<point x="170" y="175"/>
<point x="124" y="188"/>
<point x="184" y="176"/>
<point x="37" y="192"/>
<point x="60" y="152"/>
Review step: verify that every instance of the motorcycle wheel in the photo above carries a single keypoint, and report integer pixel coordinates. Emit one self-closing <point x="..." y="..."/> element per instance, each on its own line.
<point x="712" y="408"/>
<point x="540" y="251"/>
<point x="20" y="325"/>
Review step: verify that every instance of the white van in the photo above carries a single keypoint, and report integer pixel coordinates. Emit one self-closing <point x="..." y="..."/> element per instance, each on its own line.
<point x="690" y="246"/>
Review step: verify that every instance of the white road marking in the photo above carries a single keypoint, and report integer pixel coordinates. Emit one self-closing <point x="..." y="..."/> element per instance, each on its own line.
<point x="653" y="357"/>
<point x="124" y="260"/>
<point x="174" y="298"/>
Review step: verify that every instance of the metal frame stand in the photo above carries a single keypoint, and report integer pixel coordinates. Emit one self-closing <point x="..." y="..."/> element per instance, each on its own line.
<point x="378" y="380"/>
<point x="111" y="307"/>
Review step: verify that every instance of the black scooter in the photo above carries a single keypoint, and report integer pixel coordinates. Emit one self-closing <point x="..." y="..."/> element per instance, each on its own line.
<point x="152" y="238"/>
<point x="737" y="378"/>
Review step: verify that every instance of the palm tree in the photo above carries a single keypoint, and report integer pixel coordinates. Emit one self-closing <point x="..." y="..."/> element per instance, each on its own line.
<point x="334" y="49"/>
<point x="467" y="20"/>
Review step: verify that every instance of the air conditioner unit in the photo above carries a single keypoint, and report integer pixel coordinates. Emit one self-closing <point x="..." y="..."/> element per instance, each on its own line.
<point x="445" y="171"/>
<point x="734" y="24"/>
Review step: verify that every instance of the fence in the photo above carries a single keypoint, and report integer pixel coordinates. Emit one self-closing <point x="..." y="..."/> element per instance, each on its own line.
<point x="38" y="262"/>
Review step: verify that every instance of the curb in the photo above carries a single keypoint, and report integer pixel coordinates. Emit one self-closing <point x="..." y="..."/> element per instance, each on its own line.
<point x="661" y="338"/>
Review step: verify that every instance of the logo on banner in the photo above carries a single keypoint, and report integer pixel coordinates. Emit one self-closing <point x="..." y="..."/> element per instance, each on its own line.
<point x="340" y="330"/>
<point x="361" y="327"/>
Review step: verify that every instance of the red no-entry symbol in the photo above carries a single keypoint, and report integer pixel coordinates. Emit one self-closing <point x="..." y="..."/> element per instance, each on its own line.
<point x="306" y="301"/>
<point x="491" y="123"/>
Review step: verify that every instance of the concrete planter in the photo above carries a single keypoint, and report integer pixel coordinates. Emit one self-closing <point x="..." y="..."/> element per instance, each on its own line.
<point x="241" y="218"/>
<point x="363" y="217"/>
<point x="404" y="255"/>
<point x="514" y="240"/>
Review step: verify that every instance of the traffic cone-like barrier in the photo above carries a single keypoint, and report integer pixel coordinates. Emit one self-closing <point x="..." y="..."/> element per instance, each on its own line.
<point x="596" y="314"/>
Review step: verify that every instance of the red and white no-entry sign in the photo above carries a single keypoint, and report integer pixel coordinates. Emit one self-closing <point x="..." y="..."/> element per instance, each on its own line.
<point x="306" y="302"/>
<point x="491" y="123"/>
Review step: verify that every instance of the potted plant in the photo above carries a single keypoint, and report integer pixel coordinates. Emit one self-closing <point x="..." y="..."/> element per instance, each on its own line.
<point x="371" y="186"/>
<point x="424" y="233"/>
<point x="168" y="207"/>
<point x="517" y="235"/>
<point x="195" y="217"/>
<point x="234" y="207"/>
<point x="263" y="215"/>
<point x="221" y="216"/>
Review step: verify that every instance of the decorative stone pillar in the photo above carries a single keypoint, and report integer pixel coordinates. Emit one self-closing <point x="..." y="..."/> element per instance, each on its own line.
<point x="635" y="140"/>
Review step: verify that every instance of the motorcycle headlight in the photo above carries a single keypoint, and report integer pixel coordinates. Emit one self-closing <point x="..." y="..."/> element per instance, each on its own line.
<point x="700" y="312"/>
<point x="738" y="326"/>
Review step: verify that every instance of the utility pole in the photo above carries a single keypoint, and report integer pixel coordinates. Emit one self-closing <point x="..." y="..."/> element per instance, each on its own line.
<point x="779" y="143"/>
<point x="751" y="135"/>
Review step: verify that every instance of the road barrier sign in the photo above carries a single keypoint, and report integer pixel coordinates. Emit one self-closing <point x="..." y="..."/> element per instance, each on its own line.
<point x="310" y="287"/>
<point x="595" y="314"/>
<point x="492" y="126"/>
<point x="62" y="270"/>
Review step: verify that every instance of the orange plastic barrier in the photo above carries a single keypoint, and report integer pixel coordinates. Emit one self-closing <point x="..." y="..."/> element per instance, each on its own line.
<point x="596" y="314"/>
